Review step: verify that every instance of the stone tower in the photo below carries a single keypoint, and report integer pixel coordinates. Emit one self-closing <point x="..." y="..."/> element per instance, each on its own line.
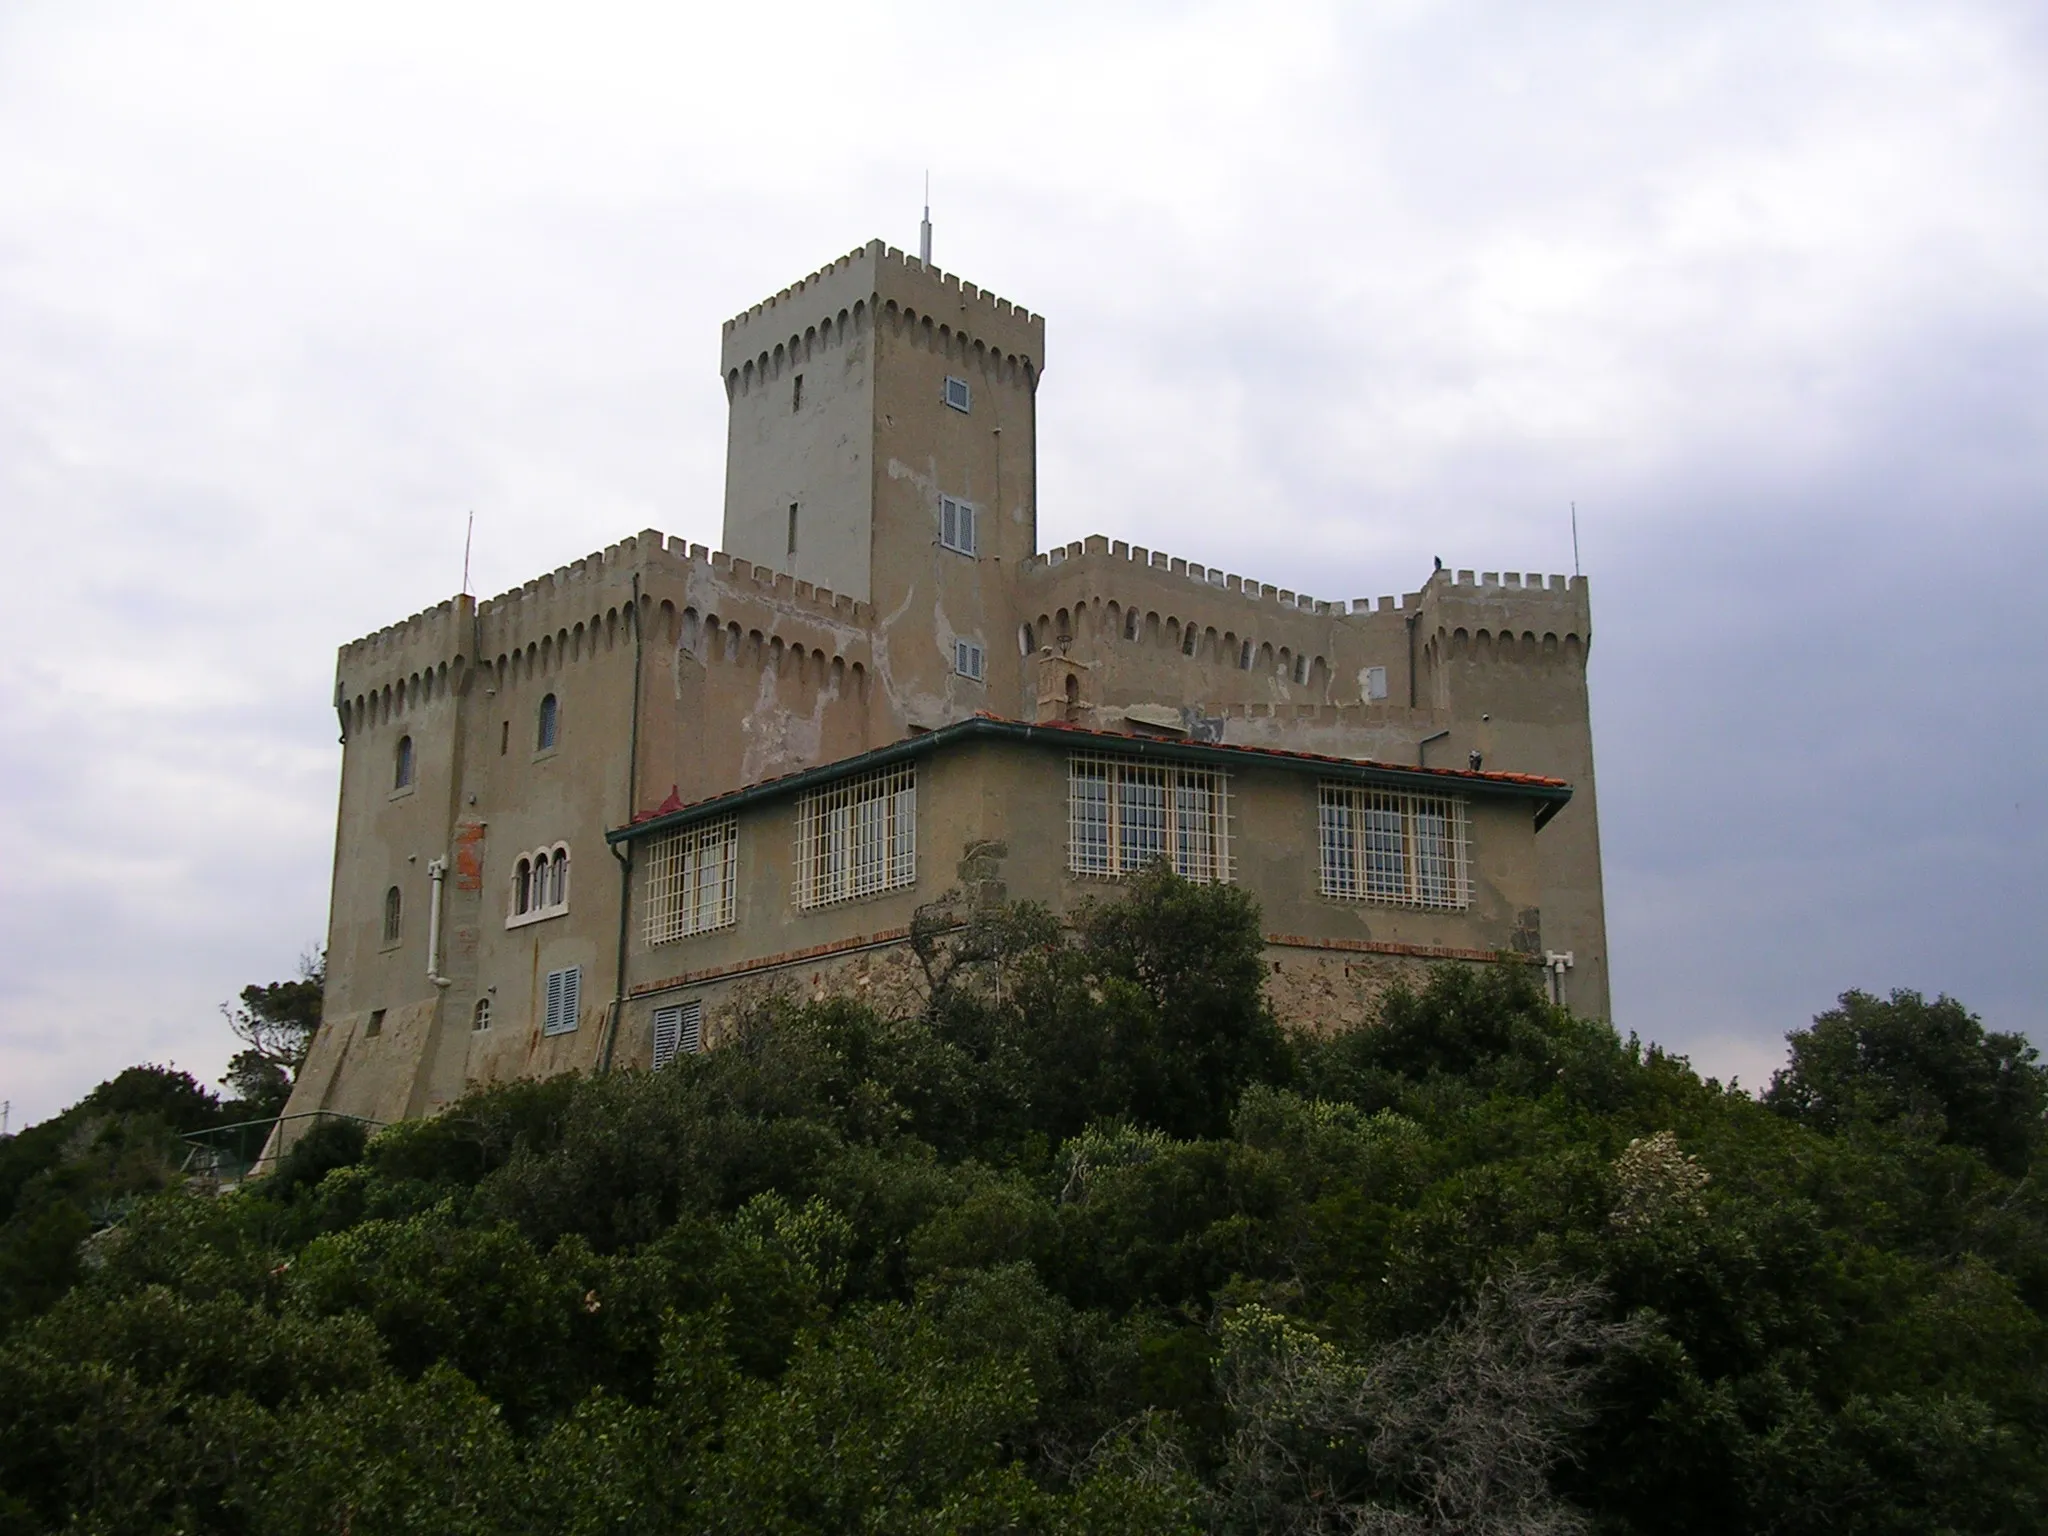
<point x="862" y="400"/>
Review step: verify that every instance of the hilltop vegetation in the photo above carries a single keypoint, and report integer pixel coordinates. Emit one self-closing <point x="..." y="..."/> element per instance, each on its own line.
<point x="1089" y="1245"/>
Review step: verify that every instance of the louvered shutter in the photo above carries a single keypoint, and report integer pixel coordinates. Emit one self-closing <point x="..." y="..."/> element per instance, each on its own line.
<point x="565" y="997"/>
<point x="949" y="522"/>
<point x="668" y="1032"/>
<point x="692" y="1040"/>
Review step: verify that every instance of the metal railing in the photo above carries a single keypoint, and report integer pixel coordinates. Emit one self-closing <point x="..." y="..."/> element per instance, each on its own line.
<point x="226" y="1155"/>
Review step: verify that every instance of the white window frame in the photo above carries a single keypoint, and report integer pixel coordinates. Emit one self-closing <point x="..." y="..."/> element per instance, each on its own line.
<point x="958" y="394"/>
<point x="1394" y="849"/>
<point x="857" y="838"/>
<point x="678" y="1031"/>
<point x="693" y="880"/>
<point x="1124" y="815"/>
<point x="546" y="897"/>
<point x="563" y="1000"/>
<point x="970" y="660"/>
<point x="959" y="528"/>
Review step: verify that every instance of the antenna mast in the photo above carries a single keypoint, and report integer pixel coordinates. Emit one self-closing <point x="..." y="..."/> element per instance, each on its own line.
<point x="1575" y="538"/>
<point x="466" y="538"/>
<point x="924" y="230"/>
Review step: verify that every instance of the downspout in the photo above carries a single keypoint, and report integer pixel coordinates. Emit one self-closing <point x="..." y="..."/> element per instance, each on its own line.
<point x="437" y="871"/>
<point x="623" y="851"/>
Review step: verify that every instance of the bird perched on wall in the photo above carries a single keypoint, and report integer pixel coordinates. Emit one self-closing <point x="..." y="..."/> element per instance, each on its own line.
<point x="1439" y="562"/>
<point x="1473" y="757"/>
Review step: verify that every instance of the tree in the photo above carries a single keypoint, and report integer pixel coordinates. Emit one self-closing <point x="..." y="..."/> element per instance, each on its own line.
<point x="1927" y="1068"/>
<point x="275" y="1024"/>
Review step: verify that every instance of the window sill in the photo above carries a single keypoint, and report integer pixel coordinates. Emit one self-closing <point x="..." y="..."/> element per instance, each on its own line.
<point x="539" y="915"/>
<point x="545" y="753"/>
<point x="390" y="946"/>
<point x="401" y="792"/>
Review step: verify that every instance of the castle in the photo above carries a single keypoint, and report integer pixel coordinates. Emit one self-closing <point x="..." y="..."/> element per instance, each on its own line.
<point x="582" y="823"/>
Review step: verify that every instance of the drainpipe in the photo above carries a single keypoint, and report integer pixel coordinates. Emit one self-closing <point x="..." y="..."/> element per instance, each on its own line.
<point x="1557" y="962"/>
<point x="623" y="852"/>
<point x="437" y="871"/>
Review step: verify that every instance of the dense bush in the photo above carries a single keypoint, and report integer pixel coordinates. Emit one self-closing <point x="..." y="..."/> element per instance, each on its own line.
<point x="1090" y="1245"/>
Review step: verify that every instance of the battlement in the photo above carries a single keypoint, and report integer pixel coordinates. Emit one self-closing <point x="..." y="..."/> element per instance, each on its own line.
<point x="1217" y="579"/>
<point x="847" y="292"/>
<point x="546" y="603"/>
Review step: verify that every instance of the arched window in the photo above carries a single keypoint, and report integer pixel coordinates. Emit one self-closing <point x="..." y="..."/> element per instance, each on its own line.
<point x="550" y="724"/>
<point x="392" y="903"/>
<point x="480" y="1017"/>
<point x="401" y="765"/>
<point x="1244" y="657"/>
<point x="540" y="886"/>
<point x="1131" y="624"/>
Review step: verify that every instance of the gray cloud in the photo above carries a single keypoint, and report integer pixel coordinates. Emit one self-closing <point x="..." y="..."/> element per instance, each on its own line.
<point x="1332" y="290"/>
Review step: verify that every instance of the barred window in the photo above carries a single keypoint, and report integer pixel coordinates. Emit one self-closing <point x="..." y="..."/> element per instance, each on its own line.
<point x="1407" y="850"/>
<point x="857" y="837"/>
<point x="678" y="1030"/>
<point x="692" y="875"/>
<point x="1123" y="816"/>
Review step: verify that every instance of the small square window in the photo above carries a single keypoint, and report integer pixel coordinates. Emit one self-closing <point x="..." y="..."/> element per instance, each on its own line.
<point x="958" y="395"/>
<point x="376" y="1024"/>
<point x="968" y="659"/>
<point x="956" y="525"/>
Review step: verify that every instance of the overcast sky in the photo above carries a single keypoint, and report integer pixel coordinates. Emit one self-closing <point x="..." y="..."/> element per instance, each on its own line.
<point x="1331" y="290"/>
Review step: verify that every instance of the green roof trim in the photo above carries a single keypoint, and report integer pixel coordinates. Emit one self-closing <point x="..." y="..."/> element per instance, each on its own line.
<point x="1549" y="795"/>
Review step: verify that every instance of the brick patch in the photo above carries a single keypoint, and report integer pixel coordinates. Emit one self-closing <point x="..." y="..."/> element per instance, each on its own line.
<point x="773" y="962"/>
<point x="1416" y="951"/>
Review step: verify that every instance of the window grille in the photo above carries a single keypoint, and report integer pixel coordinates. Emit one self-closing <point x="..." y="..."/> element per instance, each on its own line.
<point x="1403" y="850"/>
<point x="678" y="1030"/>
<point x="564" y="998"/>
<point x="968" y="659"/>
<point x="692" y="876"/>
<point x="549" y="729"/>
<point x="480" y="1016"/>
<point x="1123" y="816"/>
<point x="857" y="837"/>
<point x="958" y="395"/>
<point x="956" y="525"/>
